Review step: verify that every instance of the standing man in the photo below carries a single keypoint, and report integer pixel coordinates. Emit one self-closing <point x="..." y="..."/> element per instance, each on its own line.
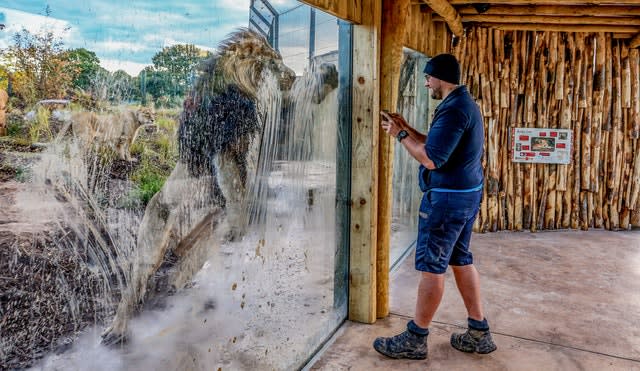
<point x="451" y="178"/>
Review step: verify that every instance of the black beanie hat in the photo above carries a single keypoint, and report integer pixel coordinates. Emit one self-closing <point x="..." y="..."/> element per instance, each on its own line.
<point x="444" y="67"/>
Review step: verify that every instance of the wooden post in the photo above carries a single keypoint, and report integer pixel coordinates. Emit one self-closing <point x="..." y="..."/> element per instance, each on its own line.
<point x="616" y="141"/>
<point x="586" y="125"/>
<point x="634" y="62"/>
<point x="519" y="38"/>
<point x="364" y="177"/>
<point x="599" y="81"/>
<point x="394" y="18"/>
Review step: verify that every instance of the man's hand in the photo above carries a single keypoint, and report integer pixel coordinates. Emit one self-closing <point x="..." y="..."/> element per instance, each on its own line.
<point x="392" y="123"/>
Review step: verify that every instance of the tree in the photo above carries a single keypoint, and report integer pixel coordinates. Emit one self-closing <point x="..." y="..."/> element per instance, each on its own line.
<point x="38" y="64"/>
<point x="116" y="87"/>
<point x="175" y="65"/>
<point x="84" y="66"/>
<point x="158" y="83"/>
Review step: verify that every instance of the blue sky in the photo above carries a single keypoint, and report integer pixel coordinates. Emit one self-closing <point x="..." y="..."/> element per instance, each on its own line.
<point x="126" y="34"/>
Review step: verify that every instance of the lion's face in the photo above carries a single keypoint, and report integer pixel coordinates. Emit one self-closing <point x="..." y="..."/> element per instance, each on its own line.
<point x="246" y="55"/>
<point x="325" y="80"/>
<point x="144" y="116"/>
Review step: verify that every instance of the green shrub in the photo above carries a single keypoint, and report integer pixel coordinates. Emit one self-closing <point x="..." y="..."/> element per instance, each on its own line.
<point x="167" y="148"/>
<point x="137" y="148"/>
<point x="16" y="126"/>
<point x="167" y="123"/>
<point x="148" y="179"/>
<point x="23" y="174"/>
<point x="39" y="128"/>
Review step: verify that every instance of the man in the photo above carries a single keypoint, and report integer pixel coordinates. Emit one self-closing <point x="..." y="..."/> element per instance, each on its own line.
<point x="451" y="178"/>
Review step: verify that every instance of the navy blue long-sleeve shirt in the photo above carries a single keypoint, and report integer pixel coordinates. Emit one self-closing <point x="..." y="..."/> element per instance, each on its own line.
<point x="455" y="143"/>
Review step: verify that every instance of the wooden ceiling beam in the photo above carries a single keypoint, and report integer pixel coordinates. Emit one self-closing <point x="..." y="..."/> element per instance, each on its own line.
<point x="605" y="21"/>
<point x="557" y="10"/>
<point x="635" y="42"/>
<point x="560" y="27"/>
<point x="593" y="3"/>
<point x="448" y="13"/>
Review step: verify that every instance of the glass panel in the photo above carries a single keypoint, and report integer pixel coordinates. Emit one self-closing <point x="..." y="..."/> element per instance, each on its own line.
<point x="159" y="210"/>
<point x="416" y="106"/>
<point x="293" y="38"/>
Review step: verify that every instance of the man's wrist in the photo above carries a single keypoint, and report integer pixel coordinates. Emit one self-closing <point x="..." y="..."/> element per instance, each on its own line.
<point x="401" y="135"/>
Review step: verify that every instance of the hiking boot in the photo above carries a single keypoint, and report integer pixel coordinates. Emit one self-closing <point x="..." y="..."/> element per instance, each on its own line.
<point x="478" y="341"/>
<point x="409" y="344"/>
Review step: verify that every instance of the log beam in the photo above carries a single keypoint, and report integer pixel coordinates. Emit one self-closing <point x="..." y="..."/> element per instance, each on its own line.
<point x="449" y="14"/>
<point x="544" y="19"/>
<point x="554" y="10"/>
<point x="635" y="41"/>
<point x="559" y="27"/>
<point x="594" y="3"/>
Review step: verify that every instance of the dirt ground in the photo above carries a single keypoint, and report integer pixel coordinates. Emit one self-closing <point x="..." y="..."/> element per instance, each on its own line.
<point x="46" y="283"/>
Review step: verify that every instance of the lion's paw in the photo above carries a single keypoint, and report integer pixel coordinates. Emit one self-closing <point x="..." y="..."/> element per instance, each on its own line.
<point x="114" y="335"/>
<point x="234" y="234"/>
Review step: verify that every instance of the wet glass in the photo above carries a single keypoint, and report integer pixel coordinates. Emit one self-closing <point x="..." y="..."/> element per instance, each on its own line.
<point x="253" y="267"/>
<point x="417" y="107"/>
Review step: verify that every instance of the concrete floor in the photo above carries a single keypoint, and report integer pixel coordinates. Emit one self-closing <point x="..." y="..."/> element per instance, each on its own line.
<point x="567" y="300"/>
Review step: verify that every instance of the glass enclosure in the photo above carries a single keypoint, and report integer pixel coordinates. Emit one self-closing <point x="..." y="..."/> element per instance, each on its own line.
<point x="194" y="221"/>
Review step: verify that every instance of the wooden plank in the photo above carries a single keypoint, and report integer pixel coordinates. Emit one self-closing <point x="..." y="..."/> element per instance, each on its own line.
<point x="364" y="176"/>
<point x="348" y="10"/>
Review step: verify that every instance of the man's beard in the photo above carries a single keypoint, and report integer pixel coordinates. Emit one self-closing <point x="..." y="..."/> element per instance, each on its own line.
<point x="436" y="94"/>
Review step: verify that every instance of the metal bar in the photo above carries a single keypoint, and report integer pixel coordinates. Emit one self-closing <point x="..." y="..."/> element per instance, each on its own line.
<point x="343" y="165"/>
<point x="266" y="34"/>
<point x="262" y="18"/>
<point x="312" y="33"/>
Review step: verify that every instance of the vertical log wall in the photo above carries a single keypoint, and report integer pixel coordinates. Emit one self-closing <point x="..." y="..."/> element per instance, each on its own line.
<point x="584" y="82"/>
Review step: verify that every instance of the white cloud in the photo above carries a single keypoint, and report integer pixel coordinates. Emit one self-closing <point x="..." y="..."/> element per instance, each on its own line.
<point x="111" y="45"/>
<point x="132" y="68"/>
<point x="170" y="42"/>
<point x="141" y="19"/>
<point x="240" y="5"/>
<point x="126" y="35"/>
<point x="16" y="20"/>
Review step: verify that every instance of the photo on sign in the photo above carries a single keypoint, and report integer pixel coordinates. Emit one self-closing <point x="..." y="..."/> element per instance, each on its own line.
<point x="540" y="144"/>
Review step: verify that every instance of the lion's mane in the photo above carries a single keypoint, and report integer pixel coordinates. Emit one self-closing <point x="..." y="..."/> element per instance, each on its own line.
<point x="221" y="107"/>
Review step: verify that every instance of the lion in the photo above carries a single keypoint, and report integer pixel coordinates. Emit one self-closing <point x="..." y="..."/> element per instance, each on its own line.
<point x="116" y="131"/>
<point x="205" y="197"/>
<point x="219" y="138"/>
<point x="4" y="98"/>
